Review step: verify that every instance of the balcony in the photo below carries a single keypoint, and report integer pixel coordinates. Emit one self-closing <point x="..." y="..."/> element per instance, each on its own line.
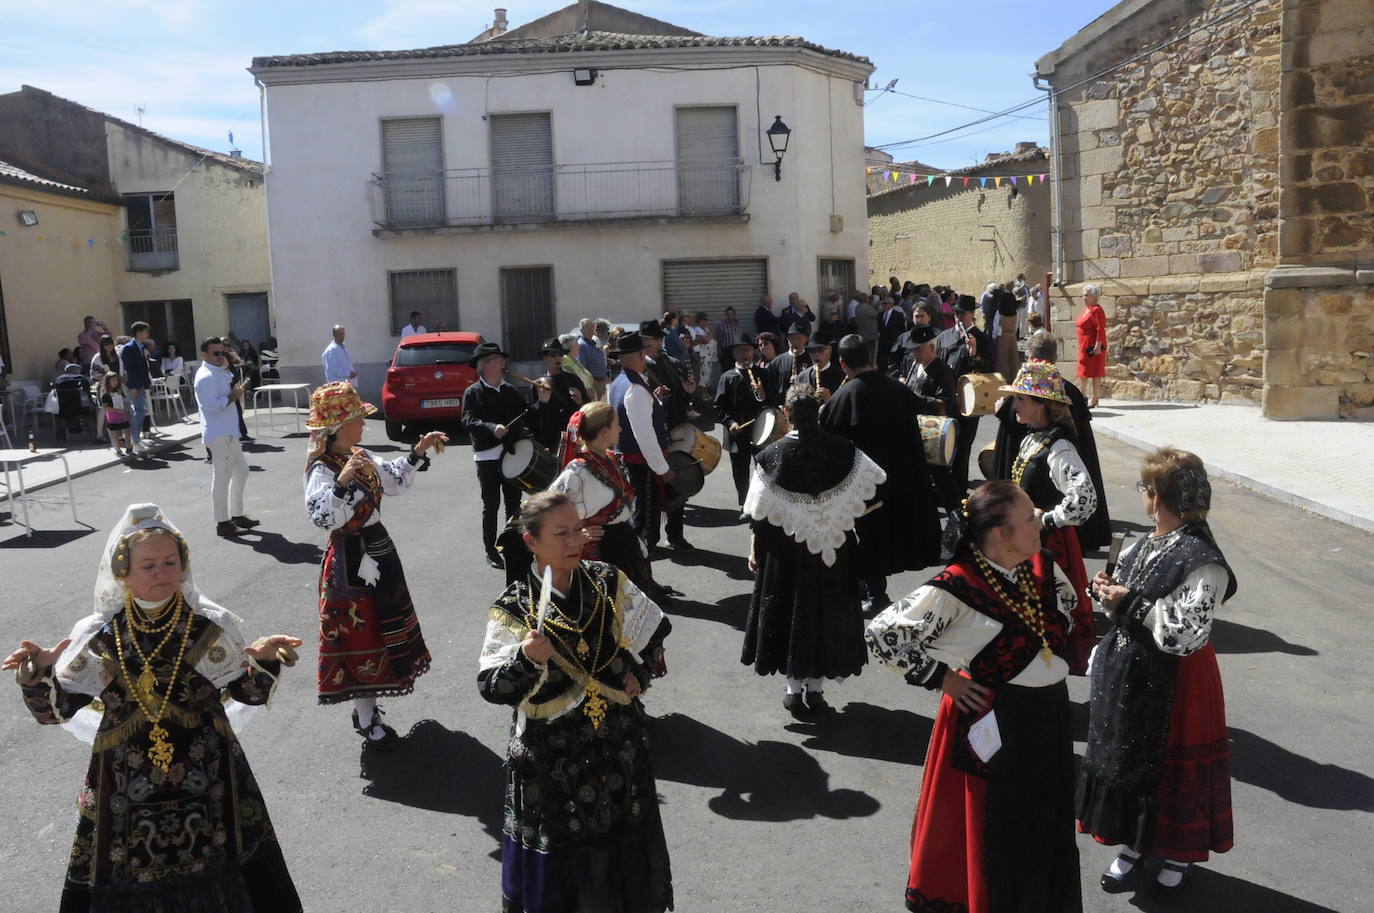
<point x="152" y="250"/>
<point x="478" y="198"/>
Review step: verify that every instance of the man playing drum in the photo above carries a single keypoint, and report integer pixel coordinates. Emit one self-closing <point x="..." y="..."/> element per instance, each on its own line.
<point x="929" y="378"/>
<point x="741" y="396"/>
<point x="965" y="349"/>
<point x="643" y="433"/>
<point x="491" y="407"/>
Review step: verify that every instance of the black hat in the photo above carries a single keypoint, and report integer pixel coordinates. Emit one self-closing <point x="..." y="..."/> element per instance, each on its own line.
<point x="966" y="303"/>
<point x="796" y="326"/>
<point x="821" y="340"/>
<point x="553" y="346"/>
<point x="651" y="329"/>
<point x="919" y="335"/>
<point x="484" y="350"/>
<point x="626" y="343"/>
<point x="744" y="340"/>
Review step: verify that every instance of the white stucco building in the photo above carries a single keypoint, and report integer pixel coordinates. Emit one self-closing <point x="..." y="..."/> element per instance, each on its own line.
<point x="591" y="163"/>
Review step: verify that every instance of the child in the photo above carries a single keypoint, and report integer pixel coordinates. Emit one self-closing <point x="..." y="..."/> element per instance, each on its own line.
<point x="114" y="402"/>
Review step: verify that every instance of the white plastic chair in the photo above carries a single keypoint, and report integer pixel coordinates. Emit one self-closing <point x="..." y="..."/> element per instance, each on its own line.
<point x="167" y="391"/>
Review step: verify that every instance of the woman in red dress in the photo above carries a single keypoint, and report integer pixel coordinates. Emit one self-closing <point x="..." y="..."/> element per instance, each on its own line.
<point x="1156" y="776"/>
<point x="1092" y="342"/>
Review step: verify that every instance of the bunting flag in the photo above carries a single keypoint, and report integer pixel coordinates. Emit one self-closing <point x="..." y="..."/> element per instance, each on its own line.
<point x="1013" y="180"/>
<point x="965" y="182"/>
<point x="982" y="182"/>
<point x="930" y="179"/>
<point x="913" y="178"/>
<point x="1044" y="177"/>
<point x="869" y="170"/>
<point x="947" y="180"/>
<point x="1030" y="180"/>
<point x="887" y="175"/>
<point x="997" y="182"/>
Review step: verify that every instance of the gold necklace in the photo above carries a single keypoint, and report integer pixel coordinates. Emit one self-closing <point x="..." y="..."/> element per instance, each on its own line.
<point x="159" y="749"/>
<point x="147" y="678"/>
<point x="142" y="622"/>
<point x="594" y="705"/>
<point x="1028" y="609"/>
<point x="1018" y="466"/>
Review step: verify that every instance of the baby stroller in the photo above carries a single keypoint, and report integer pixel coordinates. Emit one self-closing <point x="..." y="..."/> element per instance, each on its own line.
<point x="74" y="407"/>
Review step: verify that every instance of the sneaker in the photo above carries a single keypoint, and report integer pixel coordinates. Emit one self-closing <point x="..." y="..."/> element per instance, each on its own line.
<point x="244" y="522"/>
<point x="228" y="530"/>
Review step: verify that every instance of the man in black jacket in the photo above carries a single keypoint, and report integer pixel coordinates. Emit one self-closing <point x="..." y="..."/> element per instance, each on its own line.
<point x="554" y="397"/>
<point x="891" y="324"/>
<point x="964" y="349"/>
<point x="673" y="387"/>
<point x="744" y="392"/>
<point x="786" y="367"/>
<point x="824" y="374"/>
<point x="492" y="417"/>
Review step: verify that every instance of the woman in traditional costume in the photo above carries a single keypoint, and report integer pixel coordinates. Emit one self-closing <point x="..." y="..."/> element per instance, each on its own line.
<point x="370" y="640"/>
<point x="994" y="825"/>
<point x="1156" y="776"/>
<point x="1051" y="470"/>
<point x="599" y="486"/>
<point x="159" y="679"/>
<point x="805" y="620"/>
<point x="582" y="828"/>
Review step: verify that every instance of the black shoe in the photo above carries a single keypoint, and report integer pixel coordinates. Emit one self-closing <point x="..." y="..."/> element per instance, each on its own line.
<point x="1114" y="884"/>
<point x="816" y="702"/>
<point x="244" y="522"/>
<point x="1164" y="892"/>
<point x="228" y="529"/>
<point x="494" y="560"/>
<point x="682" y="545"/>
<point x="794" y="704"/>
<point x="389" y="739"/>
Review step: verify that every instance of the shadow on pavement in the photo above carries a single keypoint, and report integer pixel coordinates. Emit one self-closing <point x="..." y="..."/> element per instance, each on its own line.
<point x="1229" y="637"/>
<point x="711" y="517"/>
<point x="1210" y="890"/>
<point x="440" y="770"/>
<point x="729" y="611"/>
<point x="42" y="538"/>
<point x="867" y="731"/>
<point x="277" y="546"/>
<point x="1297" y="779"/>
<point x="763" y="781"/>
<point x="259" y="447"/>
<point x="736" y="567"/>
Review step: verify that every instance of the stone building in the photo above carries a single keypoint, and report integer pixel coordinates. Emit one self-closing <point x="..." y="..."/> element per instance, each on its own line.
<point x="1213" y="174"/>
<point x="963" y="232"/>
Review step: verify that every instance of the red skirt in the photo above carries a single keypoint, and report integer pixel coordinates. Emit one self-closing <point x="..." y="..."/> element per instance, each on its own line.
<point x="1062" y="541"/>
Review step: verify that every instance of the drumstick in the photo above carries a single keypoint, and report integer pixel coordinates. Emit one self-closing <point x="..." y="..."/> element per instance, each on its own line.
<point x="1114" y="553"/>
<point x="748" y="423"/>
<point x="545" y="591"/>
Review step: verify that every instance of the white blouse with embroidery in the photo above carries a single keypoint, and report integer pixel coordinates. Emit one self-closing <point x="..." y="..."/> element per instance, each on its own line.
<point x="329" y="511"/>
<point x="1181" y="622"/>
<point x="931" y="626"/>
<point x="588" y="493"/>
<point x="1070" y="476"/>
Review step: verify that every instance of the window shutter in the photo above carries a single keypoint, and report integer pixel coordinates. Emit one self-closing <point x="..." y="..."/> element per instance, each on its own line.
<point x="692" y="286"/>
<point x="413" y="171"/>
<point x="707" y="160"/>
<point x="522" y="167"/>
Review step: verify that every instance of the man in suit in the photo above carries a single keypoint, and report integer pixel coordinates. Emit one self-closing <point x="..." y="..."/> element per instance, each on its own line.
<point x="824" y="374"/>
<point x="743" y="393"/>
<point x="791" y="363"/>
<point x="765" y="321"/>
<point x="891" y="324"/>
<point x="964" y="349"/>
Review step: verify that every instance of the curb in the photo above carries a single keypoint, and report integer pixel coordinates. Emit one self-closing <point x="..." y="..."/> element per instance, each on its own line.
<point x="1278" y="494"/>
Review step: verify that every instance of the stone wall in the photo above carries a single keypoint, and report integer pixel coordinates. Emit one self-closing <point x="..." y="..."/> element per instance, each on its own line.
<point x="1319" y="301"/>
<point x="963" y="237"/>
<point x="1170" y="191"/>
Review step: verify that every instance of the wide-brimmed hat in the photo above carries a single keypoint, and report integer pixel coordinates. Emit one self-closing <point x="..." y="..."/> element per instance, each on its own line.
<point x="332" y="405"/>
<point x="485" y="350"/>
<point x="1039" y="379"/>
<point x="651" y="329"/>
<point x="966" y="303"/>
<point x="626" y="344"/>
<point x="800" y="327"/>
<point x="821" y="340"/>
<point x="920" y="335"/>
<point x="553" y="346"/>
<point x="744" y="340"/>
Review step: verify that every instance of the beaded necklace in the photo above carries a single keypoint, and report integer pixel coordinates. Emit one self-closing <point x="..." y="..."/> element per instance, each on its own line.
<point x="159" y="749"/>
<point x="1028" y="608"/>
<point x="594" y="706"/>
<point x="1018" y="466"/>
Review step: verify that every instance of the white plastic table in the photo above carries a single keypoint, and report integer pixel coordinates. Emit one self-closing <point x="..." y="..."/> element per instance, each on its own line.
<point x="18" y="458"/>
<point x="283" y="389"/>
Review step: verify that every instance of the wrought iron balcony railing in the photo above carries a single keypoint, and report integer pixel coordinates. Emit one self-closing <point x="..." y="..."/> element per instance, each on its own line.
<point x="152" y="250"/>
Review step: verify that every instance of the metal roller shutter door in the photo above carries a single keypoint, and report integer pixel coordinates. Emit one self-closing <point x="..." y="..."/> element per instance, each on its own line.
<point x="707" y="160"/>
<point x="522" y="167"/>
<point x="413" y="164"/>
<point x="714" y="285"/>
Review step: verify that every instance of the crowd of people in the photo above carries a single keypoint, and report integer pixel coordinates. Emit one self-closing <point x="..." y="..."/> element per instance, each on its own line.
<point x="830" y="447"/>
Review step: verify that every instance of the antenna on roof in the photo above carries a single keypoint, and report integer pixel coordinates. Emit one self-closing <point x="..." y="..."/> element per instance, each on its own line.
<point x="140" y="110"/>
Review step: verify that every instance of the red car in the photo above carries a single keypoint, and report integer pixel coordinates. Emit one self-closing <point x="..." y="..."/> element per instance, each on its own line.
<point x="425" y="383"/>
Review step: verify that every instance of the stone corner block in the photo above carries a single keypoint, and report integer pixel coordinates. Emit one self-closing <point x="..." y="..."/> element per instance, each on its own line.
<point x="1301" y="402"/>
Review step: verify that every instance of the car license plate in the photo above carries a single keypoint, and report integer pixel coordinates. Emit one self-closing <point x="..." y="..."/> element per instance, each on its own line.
<point x="440" y="403"/>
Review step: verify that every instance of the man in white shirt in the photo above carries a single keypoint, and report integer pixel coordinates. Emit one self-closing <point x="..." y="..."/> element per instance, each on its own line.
<point x="414" y="326"/>
<point x="216" y="394"/>
<point x="491" y="410"/>
<point x="337" y="363"/>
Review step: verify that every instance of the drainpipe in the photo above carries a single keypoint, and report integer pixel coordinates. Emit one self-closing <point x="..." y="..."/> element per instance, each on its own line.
<point x="1058" y="227"/>
<point x="262" y="121"/>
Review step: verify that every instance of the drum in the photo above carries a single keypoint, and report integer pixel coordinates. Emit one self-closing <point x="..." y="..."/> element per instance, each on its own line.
<point x="689" y="439"/>
<point x="770" y="425"/>
<point x="937" y="434"/>
<point x="529" y="466"/>
<point x="688" y="479"/>
<point x="987" y="461"/>
<point x="978" y="393"/>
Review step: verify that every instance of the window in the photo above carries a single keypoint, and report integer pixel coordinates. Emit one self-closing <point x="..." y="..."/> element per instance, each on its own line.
<point x="445" y="353"/>
<point x="526" y="310"/>
<point x="413" y="172"/>
<point x="835" y="275"/>
<point x="432" y="292"/>
<point x="707" y="161"/>
<point x="522" y="167"/>
<point x="168" y="321"/>
<point x="152" y="234"/>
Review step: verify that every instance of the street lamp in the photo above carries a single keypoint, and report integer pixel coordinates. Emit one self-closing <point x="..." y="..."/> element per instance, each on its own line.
<point x="778" y="135"/>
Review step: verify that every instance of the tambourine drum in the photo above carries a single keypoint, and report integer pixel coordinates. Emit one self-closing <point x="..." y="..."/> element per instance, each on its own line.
<point x="688" y="479"/>
<point x="689" y="439"/>
<point x="978" y="393"/>
<point x="529" y="466"/>
<point x="938" y="436"/>
<point x="987" y="460"/>
<point x="767" y="428"/>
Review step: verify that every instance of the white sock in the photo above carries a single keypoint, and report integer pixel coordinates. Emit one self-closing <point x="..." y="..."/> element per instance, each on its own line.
<point x="815" y="685"/>
<point x="795" y="685"/>
<point x="1123" y="863"/>
<point x="1168" y="877"/>
<point x="364" y="706"/>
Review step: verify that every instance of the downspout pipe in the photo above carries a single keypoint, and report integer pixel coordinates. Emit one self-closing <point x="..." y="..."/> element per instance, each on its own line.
<point x="1043" y="84"/>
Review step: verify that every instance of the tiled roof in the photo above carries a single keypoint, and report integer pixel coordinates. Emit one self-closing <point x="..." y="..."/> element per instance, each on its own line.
<point x="556" y="44"/>
<point x="13" y="174"/>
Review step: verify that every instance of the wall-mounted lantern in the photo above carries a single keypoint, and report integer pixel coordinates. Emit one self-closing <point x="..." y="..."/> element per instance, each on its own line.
<point x="778" y="136"/>
<point x="584" y="77"/>
<point x="28" y="218"/>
